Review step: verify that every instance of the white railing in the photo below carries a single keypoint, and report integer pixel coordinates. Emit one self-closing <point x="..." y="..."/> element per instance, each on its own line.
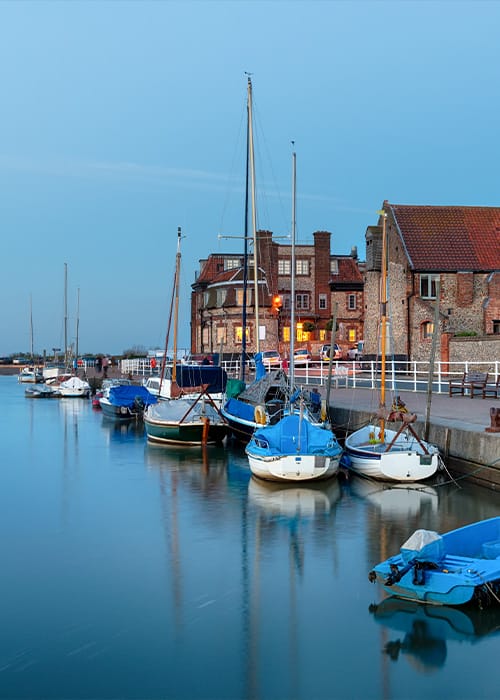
<point x="400" y="375"/>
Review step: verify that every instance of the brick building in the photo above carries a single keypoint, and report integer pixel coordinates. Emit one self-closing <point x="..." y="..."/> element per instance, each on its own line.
<point x="457" y="246"/>
<point x="321" y="279"/>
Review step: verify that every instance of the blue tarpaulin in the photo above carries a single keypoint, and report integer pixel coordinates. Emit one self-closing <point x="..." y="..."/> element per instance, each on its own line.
<point x="126" y="395"/>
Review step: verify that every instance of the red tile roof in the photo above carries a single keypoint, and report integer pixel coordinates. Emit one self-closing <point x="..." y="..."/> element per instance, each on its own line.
<point x="450" y="238"/>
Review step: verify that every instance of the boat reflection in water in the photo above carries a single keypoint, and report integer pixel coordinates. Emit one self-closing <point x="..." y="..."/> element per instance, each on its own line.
<point x="292" y="501"/>
<point x="396" y="500"/>
<point x="426" y="629"/>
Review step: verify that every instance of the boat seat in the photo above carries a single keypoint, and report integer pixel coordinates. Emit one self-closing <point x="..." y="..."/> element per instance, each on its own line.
<point x="491" y="550"/>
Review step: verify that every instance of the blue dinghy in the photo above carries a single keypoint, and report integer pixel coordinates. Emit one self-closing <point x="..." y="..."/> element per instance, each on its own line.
<point x="459" y="567"/>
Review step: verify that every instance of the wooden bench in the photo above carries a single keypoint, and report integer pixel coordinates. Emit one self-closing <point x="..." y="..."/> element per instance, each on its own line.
<point x="492" y="390"/>
<point x="473" y="382"/>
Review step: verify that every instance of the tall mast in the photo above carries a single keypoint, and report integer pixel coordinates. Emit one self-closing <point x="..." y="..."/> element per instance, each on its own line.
<point x="66" y="314"/>
<point x="292" y="281"/>
<point x="176" y="307"/>
<point x="254" y="222"/>
<point x="77" y="321"/>
<point x="31" y="329"/>
<point x="245" y="259"/>
<point x="383" y="321"/>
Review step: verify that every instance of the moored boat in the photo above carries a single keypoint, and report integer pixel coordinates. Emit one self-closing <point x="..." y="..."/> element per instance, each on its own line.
<point x="74" y="387"/>
<point x="185" y="421"/>
<point x="126" y="402"/>
<point x="30" y="375"/>
<point x="461" y="566"/>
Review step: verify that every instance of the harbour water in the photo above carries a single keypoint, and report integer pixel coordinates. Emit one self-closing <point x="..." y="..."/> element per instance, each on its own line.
<point x="133" y="571"/>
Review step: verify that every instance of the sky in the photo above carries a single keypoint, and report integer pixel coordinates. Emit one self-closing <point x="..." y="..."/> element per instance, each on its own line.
<point x="121" y="121"/>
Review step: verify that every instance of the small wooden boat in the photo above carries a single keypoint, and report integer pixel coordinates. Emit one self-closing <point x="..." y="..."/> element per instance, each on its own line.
<point x="186" y="421"/>
<point x="459" y="567"/>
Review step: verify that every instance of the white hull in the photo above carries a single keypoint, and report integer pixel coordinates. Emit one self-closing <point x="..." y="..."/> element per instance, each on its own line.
<point x="406" y="461"/>
<point x="293" y="467"/>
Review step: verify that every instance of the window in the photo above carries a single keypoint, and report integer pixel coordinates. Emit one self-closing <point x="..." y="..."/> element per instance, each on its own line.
<point x="221" y="297"/>
<point x="334" y="267"/>
<point x="302" y="335"/>
<point x="322" y="334"/>
<point x="231" y="263"/>
<point x="322" y="301"/>
<point x="302" y="301"/>
<point x="239" y="297"/>
<point x="496" y="327"/>
<point x="351" y="302"/>
<point x="427" y="330"/>
<point x="284" y="267"/>
<point x="302" y="267"/>
<point x="221" y="335"/>
<point x="238" y="334"/>
<point x="428" y="286"/>
<point x="286" y="334"/>
<point x="352" y="335"/>
<point x="285" y="298"/>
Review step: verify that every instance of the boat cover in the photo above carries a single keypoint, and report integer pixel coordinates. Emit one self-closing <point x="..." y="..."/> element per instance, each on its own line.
<point x="75" y="383"/>
<point x="294" y="434"/>
<point x="240" y="409"/>
<point x="199" y="375"/>
<point x="423" y="545"/>
<point x="126" y="395"/>
<point x="176" y="410"/>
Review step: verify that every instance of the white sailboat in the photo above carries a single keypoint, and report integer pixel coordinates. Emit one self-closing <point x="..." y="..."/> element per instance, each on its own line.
<point x="376" y="451"/>
<point x="31" y="374"/>
<point x="297" y="447"/>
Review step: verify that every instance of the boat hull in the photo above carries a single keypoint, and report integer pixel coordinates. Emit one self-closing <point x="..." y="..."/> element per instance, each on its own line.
<point x="184" y="433"/>
<point x="293" y="467"/>
<point x="121" y="413"/>
<point x="405" y="461"/>
<point x="467" y="571"/>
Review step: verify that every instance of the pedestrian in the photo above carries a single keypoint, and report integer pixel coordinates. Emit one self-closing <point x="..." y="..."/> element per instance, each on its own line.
<point x="105" y="363"/>
<point x="153" y="365"/>
<point x="98" y="364"/>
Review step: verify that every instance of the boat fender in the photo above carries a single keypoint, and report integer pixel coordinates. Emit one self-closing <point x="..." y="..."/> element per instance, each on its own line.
<point x="323" y="410"/>
<point x="123" y="410"/>
<point x="260" y="415"/>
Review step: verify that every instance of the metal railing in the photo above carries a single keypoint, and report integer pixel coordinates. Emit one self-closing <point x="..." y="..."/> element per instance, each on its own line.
<point x="400" y="375"/>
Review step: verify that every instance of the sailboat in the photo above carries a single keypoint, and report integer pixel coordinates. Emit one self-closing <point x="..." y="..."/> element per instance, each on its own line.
<point x="185" y="418"/>
<point x="245" y="406"/>
<point x="31" y="374"/>
<point x="297" y="447"/>
<point x="376" y="451"/>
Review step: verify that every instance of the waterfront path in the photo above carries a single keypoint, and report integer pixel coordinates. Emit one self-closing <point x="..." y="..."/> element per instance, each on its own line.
<point x="457" y="425"/>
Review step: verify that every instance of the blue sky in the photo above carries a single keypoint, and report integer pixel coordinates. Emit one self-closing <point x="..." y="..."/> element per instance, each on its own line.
<point x="121" y="121"/>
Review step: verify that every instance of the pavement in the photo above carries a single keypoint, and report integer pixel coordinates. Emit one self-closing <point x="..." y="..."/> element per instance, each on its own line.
<point x="460" y="412"/>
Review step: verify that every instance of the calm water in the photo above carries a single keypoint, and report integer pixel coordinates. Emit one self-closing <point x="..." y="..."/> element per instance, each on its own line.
<point x="131" y="571"/>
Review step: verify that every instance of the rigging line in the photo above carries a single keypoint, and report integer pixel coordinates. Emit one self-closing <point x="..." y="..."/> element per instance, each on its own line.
<point x="234" y="175"/>
<point x="274" y="191"/>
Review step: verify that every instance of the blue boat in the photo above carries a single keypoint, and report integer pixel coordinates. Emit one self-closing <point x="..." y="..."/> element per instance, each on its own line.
<point x="459" y="567"/>
<point x="126" y="402"/>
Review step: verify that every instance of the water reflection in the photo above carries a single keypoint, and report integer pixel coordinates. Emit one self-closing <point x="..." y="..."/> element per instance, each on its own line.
<point x="398" y="501"/>
<point x="426" y="630"/>
<point x="291" y="501"/>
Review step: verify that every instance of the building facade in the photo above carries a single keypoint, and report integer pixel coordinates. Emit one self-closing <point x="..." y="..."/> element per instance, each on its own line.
<point x="223" y="293"/>
<point x="446" y="254"/>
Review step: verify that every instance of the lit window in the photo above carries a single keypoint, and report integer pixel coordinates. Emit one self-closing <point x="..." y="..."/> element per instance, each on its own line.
<point x="238" y="334"/>
<point x="352" y="335"/>
<point x="221" y="335"/>
<point x="239" y="297"/>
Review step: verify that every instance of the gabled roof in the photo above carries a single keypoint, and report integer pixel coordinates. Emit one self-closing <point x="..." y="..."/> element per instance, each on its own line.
<point x="449" y="238"/>
<point x="348" y="275"/>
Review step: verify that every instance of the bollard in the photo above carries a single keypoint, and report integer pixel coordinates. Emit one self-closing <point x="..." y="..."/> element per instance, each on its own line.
<point x="495" y="421"/>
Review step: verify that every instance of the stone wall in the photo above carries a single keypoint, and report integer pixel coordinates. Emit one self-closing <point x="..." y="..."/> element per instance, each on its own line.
<point x="476" y="349"/>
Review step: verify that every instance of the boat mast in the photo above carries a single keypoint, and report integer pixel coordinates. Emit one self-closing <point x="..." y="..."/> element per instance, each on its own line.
<point x="77" y="322"/>
<point x="254" y="222"/>
<point x="383" y="323"/>
<point x="245" y="259"/>
<point x="176" y="308"/>
<point x="66" y="315"/>
<point x="31" y="330"/>
<point x="292" y="280"/>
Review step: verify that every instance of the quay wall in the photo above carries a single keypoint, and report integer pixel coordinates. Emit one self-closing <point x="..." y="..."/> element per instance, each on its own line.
<point x="471" y="454"/>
